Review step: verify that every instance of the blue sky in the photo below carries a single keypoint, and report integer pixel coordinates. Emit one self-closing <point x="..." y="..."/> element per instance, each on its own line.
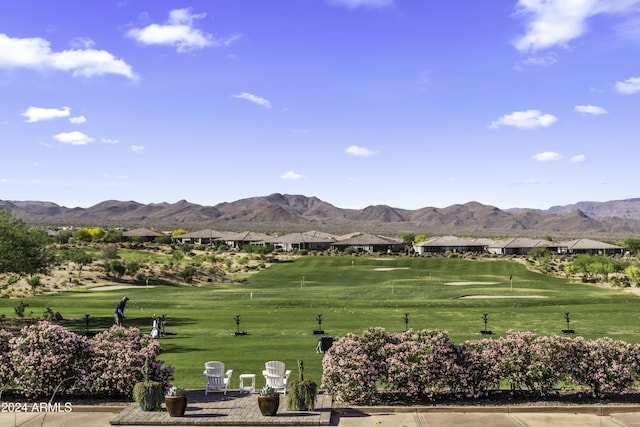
<point x="409" y="103"/>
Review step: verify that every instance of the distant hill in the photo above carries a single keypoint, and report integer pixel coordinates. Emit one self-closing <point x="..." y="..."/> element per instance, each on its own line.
<point x="628" y="208"/>
<point x="289" y="213"/>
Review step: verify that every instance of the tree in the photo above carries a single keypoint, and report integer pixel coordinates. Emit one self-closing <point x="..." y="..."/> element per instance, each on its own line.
<point x="63" y="237"/>
<point x="115" y="267"/>
<point x="539" y="252"/>
<point x="164" y="240"/>
<point x="633" y="273"/>
<point x="24" y="250"/>
<point x="34" y="282"/>
<point x="109" y="252"/>
<point x="632" y="244"/>
<point x="80" y="258"/>
<point x="113" y="236"/>
<point x="187" y="274"/>
<point x="82" y="235"/>
<point x="408" y="240"/>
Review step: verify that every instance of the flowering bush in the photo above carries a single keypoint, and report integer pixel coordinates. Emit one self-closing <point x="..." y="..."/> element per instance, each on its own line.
<point x="348" y="372"/>
<point x="6" y="368"/>
<point x="536" y="363"/>
<point x="419" y="362"/>
<point x="47" y="357"/>
<point x="422" y="363"/>
<point x="605" y="365"/>
<point x="120" y="354"/>
<point x="477" y="371"/>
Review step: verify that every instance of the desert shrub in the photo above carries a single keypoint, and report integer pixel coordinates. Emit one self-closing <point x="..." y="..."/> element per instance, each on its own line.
<point x="47" y="357"/>
<point x="187" y="274"/>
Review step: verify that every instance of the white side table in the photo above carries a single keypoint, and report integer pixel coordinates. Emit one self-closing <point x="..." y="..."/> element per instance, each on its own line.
<point x="246" y="377"/>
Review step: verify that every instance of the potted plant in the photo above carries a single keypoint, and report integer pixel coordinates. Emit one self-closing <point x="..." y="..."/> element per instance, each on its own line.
<point x="268" y="401"/>
<point x="176" y="401"/>
<point x="301" y="393"/>
<point x="148" y="394"/>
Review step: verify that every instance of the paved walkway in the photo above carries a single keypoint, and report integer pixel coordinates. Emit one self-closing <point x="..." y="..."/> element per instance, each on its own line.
<point x="236" y="409"/>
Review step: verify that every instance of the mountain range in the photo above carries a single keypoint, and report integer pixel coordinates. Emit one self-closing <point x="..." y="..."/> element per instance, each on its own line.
<point x="289" y="213"/>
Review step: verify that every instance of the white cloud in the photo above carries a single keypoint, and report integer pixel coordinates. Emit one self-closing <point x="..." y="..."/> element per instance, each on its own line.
<point x="579" y="158"/>
<point x="352" y="4"/>
<point x="36" y="54"/>
<point x="179" y="31"/>
<point x="253" y="98"/>
<point x="109" y="141"/>
<point x="137" y="148"/>
<point x="629" y="86"/>
<point x="78" y="120"/>
<point x="37" y="114"/>
<point x="82" y="43"/>
<point x="73" y="138"/>
<point x="291" y="175"/>
<point x="547" y="156"/>
<point x="556" y="22"/>
<point x="538" y="61"/>
<point x="528" y="119"/>
<point x="355" y="150"/>
<point x="589" y="109"/>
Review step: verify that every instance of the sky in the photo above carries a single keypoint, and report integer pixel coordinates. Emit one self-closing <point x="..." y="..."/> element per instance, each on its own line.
<point x="406" y="103"/>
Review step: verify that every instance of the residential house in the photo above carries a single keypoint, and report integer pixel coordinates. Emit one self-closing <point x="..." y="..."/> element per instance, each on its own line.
<point x="201" y="237"/>
<point x="238" y="240"/>
<point x="588" y="246"/>
<point x="141" y="234"/>
<point x="369" y="243"/>
<point x="440" y="245"/>
<point x="299" y="241"/>
<point x="520" y="246"/>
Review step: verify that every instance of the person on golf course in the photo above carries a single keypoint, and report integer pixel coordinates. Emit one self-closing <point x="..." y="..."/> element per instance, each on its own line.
<point x="119" y="314"/>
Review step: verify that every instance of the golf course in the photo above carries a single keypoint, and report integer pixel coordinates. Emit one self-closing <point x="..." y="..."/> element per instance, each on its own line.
<point x="278" y="308"/>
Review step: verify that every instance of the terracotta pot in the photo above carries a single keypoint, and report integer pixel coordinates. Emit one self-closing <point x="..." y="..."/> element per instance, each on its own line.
<point x="176" y="405"/>
<point x="269" y="405"/>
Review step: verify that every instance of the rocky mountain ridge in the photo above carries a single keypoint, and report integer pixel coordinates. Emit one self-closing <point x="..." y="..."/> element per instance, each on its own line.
<point x="288" y="213"/>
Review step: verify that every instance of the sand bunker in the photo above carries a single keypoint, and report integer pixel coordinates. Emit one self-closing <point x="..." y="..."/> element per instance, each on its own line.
<point x="118" y="287"/>
<point x="500" y="296"/>
<point x="470" y="283"/>
<point x="390" y="268"/>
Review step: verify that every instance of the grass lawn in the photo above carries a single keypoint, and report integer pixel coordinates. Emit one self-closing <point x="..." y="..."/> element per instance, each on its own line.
<point x="278" y="309"/>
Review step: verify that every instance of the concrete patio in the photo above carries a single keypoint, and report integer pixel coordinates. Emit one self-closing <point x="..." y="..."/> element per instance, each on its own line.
<point x="232" y="409"/>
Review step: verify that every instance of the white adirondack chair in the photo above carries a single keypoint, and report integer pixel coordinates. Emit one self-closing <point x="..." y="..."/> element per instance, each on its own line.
<point x="217" y="378"/>
<point x="276" y="375"/>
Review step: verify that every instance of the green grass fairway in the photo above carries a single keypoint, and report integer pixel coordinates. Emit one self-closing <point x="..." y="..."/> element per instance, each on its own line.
<point x="278" y="309"/>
